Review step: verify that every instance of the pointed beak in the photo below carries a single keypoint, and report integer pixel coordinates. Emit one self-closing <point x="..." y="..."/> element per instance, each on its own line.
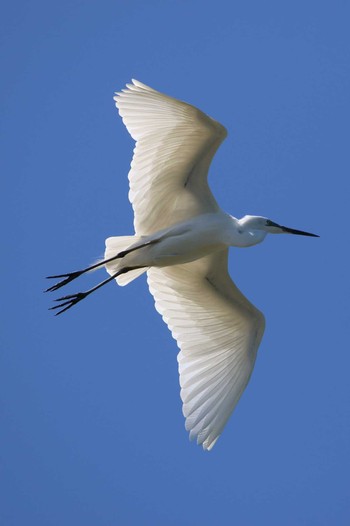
<point x="297" y="232"/>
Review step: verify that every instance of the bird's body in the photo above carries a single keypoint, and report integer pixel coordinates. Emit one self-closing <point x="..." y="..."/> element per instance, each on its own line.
<point x="187" y="241"/>
<point x="182" y="239"/>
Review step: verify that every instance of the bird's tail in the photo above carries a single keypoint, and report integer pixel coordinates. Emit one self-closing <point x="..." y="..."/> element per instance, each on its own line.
<point x="115" y="245"/>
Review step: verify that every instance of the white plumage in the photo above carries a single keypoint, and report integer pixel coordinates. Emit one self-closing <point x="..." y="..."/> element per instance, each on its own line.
<point x="175" y="145"/>
<point x="216" y="328"/>
<point x="218" y="332"/>
<point x="181" y="239"/>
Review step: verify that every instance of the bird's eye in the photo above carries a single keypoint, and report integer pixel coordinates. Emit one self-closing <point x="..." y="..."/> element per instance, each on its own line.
<point x="271" y="223"/>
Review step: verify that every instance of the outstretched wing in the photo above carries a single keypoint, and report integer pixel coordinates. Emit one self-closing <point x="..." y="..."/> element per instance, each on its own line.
<point x="175" y="143"/>
<point x="218" y="331"/>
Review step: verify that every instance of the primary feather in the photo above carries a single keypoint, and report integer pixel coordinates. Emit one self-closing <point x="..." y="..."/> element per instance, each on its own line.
<point x="218" y="331"/>
<point x="175" y="143"/>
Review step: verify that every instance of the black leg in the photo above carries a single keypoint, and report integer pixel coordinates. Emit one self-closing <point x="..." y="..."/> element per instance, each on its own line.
<point x="70" y="276"/>
<point x="73" y="299"/>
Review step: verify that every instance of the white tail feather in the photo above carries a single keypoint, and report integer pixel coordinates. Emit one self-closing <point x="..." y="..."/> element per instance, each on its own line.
<point x="114" y="245"/>
<point x="124" y="279"/>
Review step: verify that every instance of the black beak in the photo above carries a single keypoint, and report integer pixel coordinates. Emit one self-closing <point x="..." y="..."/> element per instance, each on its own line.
<point x="297" y="232"/>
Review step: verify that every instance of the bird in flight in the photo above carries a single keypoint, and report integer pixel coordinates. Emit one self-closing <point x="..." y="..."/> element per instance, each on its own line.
<point x="181" y="240"/>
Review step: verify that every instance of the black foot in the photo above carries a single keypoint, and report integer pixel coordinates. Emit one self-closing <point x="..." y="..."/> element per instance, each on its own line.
<point x="68" y="278"/>
<point x="69" y="301"/>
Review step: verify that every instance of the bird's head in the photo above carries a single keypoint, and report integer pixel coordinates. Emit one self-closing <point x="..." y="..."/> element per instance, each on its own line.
<point x="260" y="226"/>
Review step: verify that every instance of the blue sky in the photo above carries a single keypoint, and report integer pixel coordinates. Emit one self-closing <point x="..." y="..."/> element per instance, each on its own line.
<point x="91" y="426"/>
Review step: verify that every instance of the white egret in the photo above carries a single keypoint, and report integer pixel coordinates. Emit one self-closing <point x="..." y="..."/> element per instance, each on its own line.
<point x="181" y="239"/>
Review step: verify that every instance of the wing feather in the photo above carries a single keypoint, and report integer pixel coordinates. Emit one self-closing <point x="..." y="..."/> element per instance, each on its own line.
<point x="218" y="331"/>
<point x="175" y="143"/>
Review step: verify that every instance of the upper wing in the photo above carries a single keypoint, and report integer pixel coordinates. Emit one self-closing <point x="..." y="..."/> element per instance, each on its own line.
<point x="175" y="143"/>
<point x="218" y="331"/>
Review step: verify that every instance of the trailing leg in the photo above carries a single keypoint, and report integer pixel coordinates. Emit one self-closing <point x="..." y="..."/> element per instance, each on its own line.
<point x="72" y="299"/>
<point x="116" y="243"/>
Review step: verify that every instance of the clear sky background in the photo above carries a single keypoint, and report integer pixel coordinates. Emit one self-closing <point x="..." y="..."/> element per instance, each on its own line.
<point x="91" y="426"/>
